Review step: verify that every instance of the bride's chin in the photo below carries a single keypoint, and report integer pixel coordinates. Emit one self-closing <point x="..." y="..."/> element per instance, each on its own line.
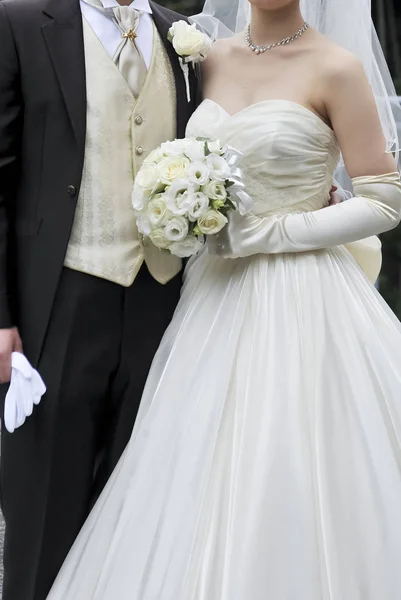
<point x="273" y="4"/>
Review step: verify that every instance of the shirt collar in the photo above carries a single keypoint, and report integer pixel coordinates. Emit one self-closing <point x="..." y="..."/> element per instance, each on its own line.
<point x="142" y="5"/>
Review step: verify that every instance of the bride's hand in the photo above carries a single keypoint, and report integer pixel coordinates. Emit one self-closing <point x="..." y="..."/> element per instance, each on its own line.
<point x="233" y="240"/>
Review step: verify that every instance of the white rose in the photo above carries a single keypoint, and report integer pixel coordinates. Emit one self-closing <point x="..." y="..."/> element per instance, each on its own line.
<point x="216" y="190"/>
<point x="194" y="150"/>
<point x="155" y="156"/>
<point x="187" y="247"/>
<point x="212" y="222"/>
<point x="180" y="196"/>
<point x="175" y="148"/>
<point x="176" y="229"/>
<point x="215" y="147"/>
<point x="188" y="41"/>
<point x="198" y="173"/>
<point x="157" y="211"/>
<point x="198" y="207"/>
<point x="172" y="168"/>
<point x="143" y="224"/>
<point x="178" y="27"/>
<point x="158" y="239"/>
<point x="148" y="177"/>
<point x="140" y="198"/>
<point x="219" y="167"/>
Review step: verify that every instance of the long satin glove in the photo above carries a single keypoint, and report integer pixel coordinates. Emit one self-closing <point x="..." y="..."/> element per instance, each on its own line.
<point x="376" y="208"/>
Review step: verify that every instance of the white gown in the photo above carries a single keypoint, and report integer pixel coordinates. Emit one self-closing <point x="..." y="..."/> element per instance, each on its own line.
<point x="265" y="462"/>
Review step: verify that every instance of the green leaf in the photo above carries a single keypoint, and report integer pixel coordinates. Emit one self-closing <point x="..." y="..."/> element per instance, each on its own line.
<point x="218" y="204"/>
<point x="185" y="7"/>
<point x="231" y="205"/>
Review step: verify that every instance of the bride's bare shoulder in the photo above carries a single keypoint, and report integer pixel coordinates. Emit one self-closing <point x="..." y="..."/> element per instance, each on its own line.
<point x="223" y="49"/>
<point x="335" y="62"/>
<point x="338" y="80"/>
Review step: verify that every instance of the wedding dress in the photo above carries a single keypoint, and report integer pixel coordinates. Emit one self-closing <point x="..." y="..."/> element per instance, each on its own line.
<point x="265" y="463"/>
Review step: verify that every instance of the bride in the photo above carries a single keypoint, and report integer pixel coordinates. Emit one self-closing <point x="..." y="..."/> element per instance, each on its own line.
<point x="265" y="463"/>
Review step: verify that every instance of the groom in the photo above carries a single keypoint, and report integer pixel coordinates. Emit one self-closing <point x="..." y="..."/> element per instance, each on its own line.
<point x="87" y="90"/>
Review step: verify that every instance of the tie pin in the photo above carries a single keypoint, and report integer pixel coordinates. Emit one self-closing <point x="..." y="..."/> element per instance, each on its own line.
<point x="130" y="35"/>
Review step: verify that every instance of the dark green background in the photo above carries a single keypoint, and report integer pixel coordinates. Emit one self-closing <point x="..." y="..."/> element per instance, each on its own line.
<point x="387" y="16"/>
<point x="186" y="7"/>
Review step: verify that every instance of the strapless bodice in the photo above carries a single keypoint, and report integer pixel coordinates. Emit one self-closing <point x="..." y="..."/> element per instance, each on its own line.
<point x="289" y="153"/>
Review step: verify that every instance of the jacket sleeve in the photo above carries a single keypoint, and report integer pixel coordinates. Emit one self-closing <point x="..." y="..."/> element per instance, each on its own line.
<point x="376" y="208"/>
<point x="10" y="135"/>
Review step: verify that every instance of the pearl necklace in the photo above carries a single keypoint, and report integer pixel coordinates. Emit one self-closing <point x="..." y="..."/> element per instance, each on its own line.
<point x="287" y="40"/>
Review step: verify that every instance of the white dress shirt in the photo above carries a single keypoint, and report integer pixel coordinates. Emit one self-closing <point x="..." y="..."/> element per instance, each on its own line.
<point x="109" y="33"/>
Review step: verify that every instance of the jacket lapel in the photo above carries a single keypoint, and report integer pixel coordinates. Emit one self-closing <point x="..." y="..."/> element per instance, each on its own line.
<point x="64" y="38"/>
<point x="163" y="23"/>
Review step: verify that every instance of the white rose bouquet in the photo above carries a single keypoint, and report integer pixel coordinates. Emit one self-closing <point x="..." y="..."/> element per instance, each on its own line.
<point x="184" y="191"/>
<point x="190" y="44"/>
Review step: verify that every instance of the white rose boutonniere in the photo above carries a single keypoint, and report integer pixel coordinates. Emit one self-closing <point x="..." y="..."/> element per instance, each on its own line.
<point x="191" y="46"/>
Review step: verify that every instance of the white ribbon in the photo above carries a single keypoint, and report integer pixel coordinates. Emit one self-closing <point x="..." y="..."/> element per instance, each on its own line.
<point x="238" y="195"/>
<point x="185" y="70"/>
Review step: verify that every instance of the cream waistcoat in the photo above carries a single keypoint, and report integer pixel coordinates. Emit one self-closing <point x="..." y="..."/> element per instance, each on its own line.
<point x="120" y="134"/>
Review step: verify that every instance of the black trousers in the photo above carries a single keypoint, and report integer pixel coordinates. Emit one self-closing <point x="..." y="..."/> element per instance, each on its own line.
<point x="97" y="354"/>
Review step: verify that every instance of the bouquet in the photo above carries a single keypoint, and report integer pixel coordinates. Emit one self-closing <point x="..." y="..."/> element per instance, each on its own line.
<point x="184" y="191"/>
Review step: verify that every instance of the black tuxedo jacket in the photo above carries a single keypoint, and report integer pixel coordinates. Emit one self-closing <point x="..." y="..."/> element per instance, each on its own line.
<point x="42" y="143"/>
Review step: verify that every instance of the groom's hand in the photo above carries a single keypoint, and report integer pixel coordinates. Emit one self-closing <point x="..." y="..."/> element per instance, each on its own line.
<point x="10" y="342"/>
<point x="334" y="197"/>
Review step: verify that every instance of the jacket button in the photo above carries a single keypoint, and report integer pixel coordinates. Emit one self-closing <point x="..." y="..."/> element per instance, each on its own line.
<point x="138" y="120"/>
<point x="139" y="150"/>
<point x="71" y="190"/>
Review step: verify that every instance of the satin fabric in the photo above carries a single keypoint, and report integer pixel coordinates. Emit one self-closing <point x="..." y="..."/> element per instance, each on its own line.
<point x="265" y="461"/>
<point x="298" y="224"/>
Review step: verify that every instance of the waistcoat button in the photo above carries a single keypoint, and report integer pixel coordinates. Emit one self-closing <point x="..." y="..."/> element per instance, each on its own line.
<point x="71" y="190"/>
<point x="139" y="120"/>
<point x="139" y="150"/>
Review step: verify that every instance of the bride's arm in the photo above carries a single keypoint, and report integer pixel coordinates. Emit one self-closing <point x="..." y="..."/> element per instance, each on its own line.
<point x="352" y="110"/>
<point x="376" y="207"/>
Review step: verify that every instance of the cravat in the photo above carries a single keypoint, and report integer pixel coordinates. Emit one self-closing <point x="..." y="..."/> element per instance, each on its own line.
<point x="128" y="58"/>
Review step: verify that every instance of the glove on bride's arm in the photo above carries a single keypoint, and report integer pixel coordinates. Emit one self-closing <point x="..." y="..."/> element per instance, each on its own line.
<point x="376" y="207"/>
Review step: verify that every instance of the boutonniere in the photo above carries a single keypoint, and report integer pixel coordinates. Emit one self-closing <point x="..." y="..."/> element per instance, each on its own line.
<point x="191" y="46"/>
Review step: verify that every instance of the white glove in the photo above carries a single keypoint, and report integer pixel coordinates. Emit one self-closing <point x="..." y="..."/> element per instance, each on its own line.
<point x="26" y="389"/>
<point x="376" y="208"/>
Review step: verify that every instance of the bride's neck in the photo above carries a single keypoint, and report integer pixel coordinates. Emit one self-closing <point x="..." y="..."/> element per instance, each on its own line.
<point x="269" y="26"/>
